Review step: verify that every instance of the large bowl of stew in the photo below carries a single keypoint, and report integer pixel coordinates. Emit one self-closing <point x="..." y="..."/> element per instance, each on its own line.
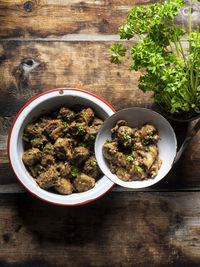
<point x="51" y="146"/>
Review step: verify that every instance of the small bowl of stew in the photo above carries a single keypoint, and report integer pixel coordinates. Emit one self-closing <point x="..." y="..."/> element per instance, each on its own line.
<point x="135" y="147"/>
<point x="51" y="146"/>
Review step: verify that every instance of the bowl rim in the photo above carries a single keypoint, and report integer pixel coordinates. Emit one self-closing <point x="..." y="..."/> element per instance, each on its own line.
<point x="11" y="130"/>
<point x="127" y="184"/>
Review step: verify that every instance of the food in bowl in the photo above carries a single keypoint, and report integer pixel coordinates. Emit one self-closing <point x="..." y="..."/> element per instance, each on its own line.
<point x="59" y="150"/>
<point x="132" y="154"/>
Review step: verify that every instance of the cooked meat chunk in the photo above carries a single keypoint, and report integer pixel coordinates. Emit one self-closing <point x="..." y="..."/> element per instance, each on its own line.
<point x="83" y="182"/>
<point x="57" y="132"/>
<point x="64" y="169"/>
<point x="120" y="159"/>
<point x="97" y="122"/>
<point x="80" y="154"/>
<point x="123" y="174"/>
<point x="86" y="115"/>
<point x="118" y="124"/>
<point x="91" y="168"/>
<point x="147" y="130"/>
<point x="63" y="148"/>
<point x="36" y="170"/>
<point x="48" y="178"/>
<point x="33" y="129"/>
<point x="155" y="167"/>
<point x="49" y="149"/>
<point x="91" y="131"/>
<point x="52" y="125"/>
<point x="64" y="187"/>
<point x="77" y="129"/>
<point x="138" y="146"/>
<point x="124" y="135"/>
<point x="32" y="156"/>
<point x="47" y="159"/>
<point x="109" y="150"/>
<point x="39" y="142"/>
<point x="66" y="114"/>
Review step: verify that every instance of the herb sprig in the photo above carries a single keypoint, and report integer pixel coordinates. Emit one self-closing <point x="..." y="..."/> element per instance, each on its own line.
<point x="173" y="76"/>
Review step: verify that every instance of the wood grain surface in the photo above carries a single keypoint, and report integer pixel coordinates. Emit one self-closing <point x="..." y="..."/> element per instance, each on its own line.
<point x="41" y="19"/>
<point x="132" y="229"/>
<point x="49" y="44"/>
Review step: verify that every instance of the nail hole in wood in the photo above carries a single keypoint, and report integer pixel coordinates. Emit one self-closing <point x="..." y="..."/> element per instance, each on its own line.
<point x="29" y="62"/>
<point x="61" y="92"/>
<point x="28" y="6"/>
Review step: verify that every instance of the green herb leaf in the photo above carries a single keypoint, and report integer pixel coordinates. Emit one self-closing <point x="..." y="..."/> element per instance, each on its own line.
<point x="33" y="141"/>
<point x="92" y="137"/>
<point x="138" y="168"/>
<point x="75" y="172"/>
<point x="80" y="130"/>
<point x="108" y="140"/>
<point x="119" y="52"/>
<point x="93" y="162"/>
<point x="64" y="123"/>
<point x="82" y="144"/>
<point x="125" y="143"/>
<point x="129" y="158"/>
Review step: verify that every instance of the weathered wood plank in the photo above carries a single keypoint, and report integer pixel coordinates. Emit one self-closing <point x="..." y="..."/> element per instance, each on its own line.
<point x="132" y="229"/>
<point x="42" y="19"/>
<point x="59" y="18"/>
<point x="28" y="68"/>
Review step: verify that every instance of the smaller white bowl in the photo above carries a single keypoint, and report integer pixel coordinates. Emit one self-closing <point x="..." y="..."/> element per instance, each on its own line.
<point x="136" y="117"/>
<point x="41" y="104"/>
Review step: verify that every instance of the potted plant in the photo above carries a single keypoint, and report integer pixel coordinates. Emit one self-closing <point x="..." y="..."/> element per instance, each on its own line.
<point x="170" y="72"/>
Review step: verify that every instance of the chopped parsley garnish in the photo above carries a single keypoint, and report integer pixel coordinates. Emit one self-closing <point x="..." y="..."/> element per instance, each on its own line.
<point x="80" y="130"/>
<point x="108" y="140"/>
<point x="36" y="124"/>
<point x="129" y="158"/>
<point x="49" y="147"/>
<point x="93" y="162"/>
<point x="30" y="152"/>
<point x="41" y="145"/>
<point x="68" y="134"/>
<point x="75" y="172"/>
<point x="146" y="142"/>
<point x="92" y="137"/>
<point x="77" y="114"/>
<point x="64" y="123"/>
<point x="138" y="168"/>
<point x="82" y="144"/>
<point x="125" y="143"/>
<point x="33" y="141"/>
<point x="41" y="167"/>
<point x="127" y="135"/>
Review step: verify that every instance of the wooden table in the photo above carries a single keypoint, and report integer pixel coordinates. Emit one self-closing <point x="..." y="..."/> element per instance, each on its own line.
<point x="51" y="44"/>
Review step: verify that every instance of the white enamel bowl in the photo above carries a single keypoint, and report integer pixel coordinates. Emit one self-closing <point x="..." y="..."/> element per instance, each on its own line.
<point x="136" y="117"/>
<point x="39" y="105"/>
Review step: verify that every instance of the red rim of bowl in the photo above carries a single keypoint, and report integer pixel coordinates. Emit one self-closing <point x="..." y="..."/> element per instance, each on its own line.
<point x="10" y="132"/>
